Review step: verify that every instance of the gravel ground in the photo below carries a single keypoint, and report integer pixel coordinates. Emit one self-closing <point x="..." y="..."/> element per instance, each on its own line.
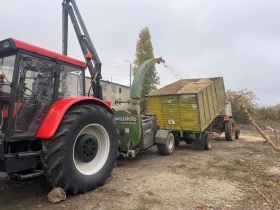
<point x="223" y="178"/>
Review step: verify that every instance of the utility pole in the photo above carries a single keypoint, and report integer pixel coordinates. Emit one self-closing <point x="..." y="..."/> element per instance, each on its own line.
<point x="129" y="71"/>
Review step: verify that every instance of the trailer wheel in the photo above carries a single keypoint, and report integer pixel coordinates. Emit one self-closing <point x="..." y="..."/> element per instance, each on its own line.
<point x="82" y="153"/>
<point x="237" y="133"/>
<point x="177" y="141"/>
<point x="229" y="130"/>
<point x="168" y="148"/>
<point x="208" y="142"/>
<point x="198" y="144"/>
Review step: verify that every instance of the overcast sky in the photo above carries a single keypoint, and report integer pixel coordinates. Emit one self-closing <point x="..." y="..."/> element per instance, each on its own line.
<point x="238" y="40"/>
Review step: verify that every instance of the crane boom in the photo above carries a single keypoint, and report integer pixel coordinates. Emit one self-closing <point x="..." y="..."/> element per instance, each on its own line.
<point x="69" y="7"/>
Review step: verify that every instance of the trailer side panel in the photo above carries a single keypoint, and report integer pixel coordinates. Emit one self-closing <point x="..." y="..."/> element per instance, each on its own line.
<point x="192" y="107"/>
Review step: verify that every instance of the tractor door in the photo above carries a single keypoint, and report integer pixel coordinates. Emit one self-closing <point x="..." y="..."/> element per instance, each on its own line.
<point x="71" y="82"/>
<point x="34" y="95"/>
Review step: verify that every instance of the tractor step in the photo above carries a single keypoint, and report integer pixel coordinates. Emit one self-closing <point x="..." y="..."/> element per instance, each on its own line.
<point x="28" y="176"/>
<point x="27" y="154"/>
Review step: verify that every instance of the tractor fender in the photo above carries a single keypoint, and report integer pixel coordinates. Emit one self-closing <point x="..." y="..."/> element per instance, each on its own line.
<point x="161" y="136"/>
<point x="58" y="110"/>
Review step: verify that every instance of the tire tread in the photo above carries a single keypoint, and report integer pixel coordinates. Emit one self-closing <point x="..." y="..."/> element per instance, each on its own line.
<point x="52" y="152"/>
<point x="228" y="134"/>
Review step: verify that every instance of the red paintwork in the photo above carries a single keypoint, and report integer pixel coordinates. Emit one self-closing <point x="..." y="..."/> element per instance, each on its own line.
<point x="5" y="109"/>
<point x="48" y="53"/>
<point x="57" y="111"/>
<point x="108" y="103"/>
<point x="226" y="117"/>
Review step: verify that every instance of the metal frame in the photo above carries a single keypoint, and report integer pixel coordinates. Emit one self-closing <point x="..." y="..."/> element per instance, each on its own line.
<point x="94" y="64"/>
<point x="13" y="95"/>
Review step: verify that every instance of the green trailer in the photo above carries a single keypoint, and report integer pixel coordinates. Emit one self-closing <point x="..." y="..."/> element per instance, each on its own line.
<point x="190" y="108"/>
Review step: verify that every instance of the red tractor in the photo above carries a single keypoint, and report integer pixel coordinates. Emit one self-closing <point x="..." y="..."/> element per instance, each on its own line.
<point x="50" y="124"/>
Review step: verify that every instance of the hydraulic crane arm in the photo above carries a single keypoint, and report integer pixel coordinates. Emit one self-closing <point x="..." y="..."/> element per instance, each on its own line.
<point x="93" y="64"/>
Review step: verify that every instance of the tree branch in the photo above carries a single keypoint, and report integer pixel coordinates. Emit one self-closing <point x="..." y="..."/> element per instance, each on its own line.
<point x="276" y="136"/>
<point x="276" y="148"/>
<point x="266" y="199"/>
<point x="272" y="200"/>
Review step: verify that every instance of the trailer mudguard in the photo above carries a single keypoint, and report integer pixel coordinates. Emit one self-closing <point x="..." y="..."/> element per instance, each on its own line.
<point x="161" y="136"/>
<point x="59" y="108"/>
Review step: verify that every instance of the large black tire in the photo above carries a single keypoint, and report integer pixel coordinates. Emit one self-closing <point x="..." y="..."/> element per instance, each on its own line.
<point x="87" y="133"/>
<point x="229" y="130"/>
<point x="237" y="133"/>
<point x="168" y="148"/>
<point x="198" y="144"/>
<point x="208" y="142"/>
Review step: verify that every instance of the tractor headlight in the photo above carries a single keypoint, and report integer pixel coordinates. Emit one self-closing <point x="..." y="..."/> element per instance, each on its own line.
<point x="6" y="44"/>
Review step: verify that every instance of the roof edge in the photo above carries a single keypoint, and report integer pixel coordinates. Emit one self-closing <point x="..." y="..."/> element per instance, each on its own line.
<point x="48" y="53"/>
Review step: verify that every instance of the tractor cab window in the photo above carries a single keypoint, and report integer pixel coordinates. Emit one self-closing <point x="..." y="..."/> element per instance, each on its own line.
<point x="71" y="82"/>
<point x="6" y="73"/>
<point x="34" y="94"/>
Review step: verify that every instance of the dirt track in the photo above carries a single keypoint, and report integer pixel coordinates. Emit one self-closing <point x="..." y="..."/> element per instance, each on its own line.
<point x="222" y="178"/>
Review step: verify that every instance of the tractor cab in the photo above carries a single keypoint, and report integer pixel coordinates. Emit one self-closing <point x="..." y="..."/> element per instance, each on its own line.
<point x="31" y="80"/>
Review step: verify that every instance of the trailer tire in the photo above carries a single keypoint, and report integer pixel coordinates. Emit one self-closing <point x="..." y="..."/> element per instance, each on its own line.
<point x="208" y="142"/>
<point x="198" y="144"/>
<point x="177" y="141"/>
<point x="168" y="148"/>
<point x="229" y="130"/>
<point x="237" y="133"/>
<point x="83" y="152"/>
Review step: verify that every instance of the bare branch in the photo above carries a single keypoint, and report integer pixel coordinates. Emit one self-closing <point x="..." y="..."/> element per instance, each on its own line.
<point x="276" y="136"/>
<point x="276" y="148"/>
<point x="266" y="199"/>
<point x="272" y="200"/>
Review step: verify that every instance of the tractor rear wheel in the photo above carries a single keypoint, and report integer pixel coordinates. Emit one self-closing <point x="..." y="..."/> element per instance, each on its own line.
<point x="229" y="130"/>
<point x="168" y="148"/>
<point x="82" y="153"/>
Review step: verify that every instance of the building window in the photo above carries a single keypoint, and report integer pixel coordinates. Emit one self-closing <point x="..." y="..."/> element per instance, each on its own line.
<point x="104" y="87"/>
<point x="113" y="100"/>
<point x="113" y="88"/>
<point x="120" y="90"/>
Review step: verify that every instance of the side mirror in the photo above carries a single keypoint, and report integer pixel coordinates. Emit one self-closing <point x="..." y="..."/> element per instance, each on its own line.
<point x="55" y="70"/>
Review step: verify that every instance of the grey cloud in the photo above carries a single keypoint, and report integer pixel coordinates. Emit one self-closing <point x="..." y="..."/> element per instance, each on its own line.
<point x="238" y="40"/>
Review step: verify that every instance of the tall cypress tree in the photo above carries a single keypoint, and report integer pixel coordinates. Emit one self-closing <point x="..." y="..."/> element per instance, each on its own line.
<point x="144" y="51"/>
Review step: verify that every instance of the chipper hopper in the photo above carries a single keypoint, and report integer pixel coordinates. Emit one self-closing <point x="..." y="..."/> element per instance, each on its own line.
<point x="194" y="109"/>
